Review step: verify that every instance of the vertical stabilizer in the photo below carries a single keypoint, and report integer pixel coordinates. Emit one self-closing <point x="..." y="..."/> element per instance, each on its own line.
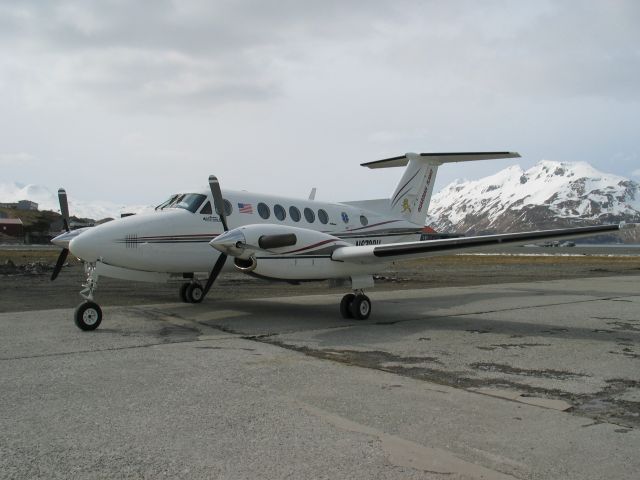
<point x="411" y="198"/>
<point x="412" y="195"/>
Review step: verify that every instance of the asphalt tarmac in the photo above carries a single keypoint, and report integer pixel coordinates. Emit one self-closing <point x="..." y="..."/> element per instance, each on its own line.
<point x="498" y="381"/>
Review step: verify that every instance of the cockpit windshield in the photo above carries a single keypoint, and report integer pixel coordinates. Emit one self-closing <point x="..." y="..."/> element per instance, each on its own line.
<point x="188" y="201"/>
<point x="167" y="202"/>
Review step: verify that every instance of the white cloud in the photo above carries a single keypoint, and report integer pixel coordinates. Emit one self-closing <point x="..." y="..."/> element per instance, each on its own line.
<point x="19" y="158"/>
<point x="148" y="95"/>
<point x="636" y="173"/>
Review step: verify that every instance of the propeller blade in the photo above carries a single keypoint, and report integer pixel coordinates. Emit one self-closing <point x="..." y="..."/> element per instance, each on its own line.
<point x="215" y="271"/>
<point x="59" y="264"/>
<point x="64" y="207"/>
<point x="218" y="201"/>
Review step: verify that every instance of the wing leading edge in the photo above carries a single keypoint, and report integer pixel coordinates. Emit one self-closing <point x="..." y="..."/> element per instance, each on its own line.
<point x="398" y="251"/>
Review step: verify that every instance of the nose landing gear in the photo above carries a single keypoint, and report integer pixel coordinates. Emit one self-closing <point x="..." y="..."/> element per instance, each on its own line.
<point x="88" y="314"/>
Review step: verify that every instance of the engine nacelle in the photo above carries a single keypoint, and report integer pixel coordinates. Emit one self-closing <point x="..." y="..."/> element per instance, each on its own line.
<point x="285" y="253"/>
<point x="268" y="239"/>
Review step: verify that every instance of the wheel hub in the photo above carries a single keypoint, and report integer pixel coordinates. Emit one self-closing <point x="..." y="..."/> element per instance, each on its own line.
<point x="90" y="316"/>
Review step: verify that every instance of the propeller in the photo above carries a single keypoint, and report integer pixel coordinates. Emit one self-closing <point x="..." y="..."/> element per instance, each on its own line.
<point x="218" y="203"/>
<point x="64" y="211"/>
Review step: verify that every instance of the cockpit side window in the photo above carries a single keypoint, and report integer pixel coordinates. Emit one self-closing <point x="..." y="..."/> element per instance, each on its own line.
<point x="206" y="210"/>
<point x="189" y="201"/>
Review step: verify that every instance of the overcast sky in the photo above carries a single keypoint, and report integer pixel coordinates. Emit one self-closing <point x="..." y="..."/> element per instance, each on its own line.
<point x="130" y="101"/>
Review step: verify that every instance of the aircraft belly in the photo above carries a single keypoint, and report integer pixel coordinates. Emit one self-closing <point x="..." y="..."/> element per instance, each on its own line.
<point x="308" y="268"/>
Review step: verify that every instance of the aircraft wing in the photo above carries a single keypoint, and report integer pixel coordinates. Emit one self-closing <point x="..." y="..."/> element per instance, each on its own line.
<point x="428" y="248"/>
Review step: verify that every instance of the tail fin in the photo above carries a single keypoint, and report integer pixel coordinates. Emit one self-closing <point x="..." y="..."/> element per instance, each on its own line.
<point x="412" y="196"/>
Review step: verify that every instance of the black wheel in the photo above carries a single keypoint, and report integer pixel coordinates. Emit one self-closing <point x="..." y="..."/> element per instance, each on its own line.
<point x="183" y="292"/>
<point x="88" y="316"/>
<point x="345" y="305"/>
<point x="361" y="307"/>
<point x="195" y="293"/>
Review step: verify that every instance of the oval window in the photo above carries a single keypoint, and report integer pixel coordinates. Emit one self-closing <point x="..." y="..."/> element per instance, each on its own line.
<point x="228" y="209"/>
<point x="309" y="215"/>
<point x="278" y="211"/>
<point x="294" y="213"/>
<point x="323" y="217"/>
<point x="345" y="217"/>
<point x="364" y="221"/>
<point x="263" y="210"/>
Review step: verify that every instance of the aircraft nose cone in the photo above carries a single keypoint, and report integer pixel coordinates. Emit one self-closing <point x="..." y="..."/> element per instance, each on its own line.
<point x="64" y="239"/>
<point x="83" y="247"/>
<point x="230" y="242"/>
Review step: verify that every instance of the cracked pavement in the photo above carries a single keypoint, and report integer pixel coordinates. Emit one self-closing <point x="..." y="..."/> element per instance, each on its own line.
<point x="520" y="380"/>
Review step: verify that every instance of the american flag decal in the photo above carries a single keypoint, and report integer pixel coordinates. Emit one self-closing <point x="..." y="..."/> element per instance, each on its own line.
<point x="245" y="208"/>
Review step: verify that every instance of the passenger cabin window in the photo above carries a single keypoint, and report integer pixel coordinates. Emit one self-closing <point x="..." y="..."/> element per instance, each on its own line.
<point x="323" y="217"/>
<point x="279" y="212"/>
<point x="206" y="210"/>
<point x="364" y="221"/>
<point x="309" y="215"/>
<point x="294" y="213"/>
<point x="263" y="210"/>
<point x="189" y="201"/>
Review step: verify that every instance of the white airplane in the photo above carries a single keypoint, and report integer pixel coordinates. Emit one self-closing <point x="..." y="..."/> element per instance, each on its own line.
<point x="276" y="238"/>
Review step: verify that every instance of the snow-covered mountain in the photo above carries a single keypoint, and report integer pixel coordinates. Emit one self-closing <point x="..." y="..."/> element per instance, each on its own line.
<point x="48" y="200"/>
<point x="548" y="195"/>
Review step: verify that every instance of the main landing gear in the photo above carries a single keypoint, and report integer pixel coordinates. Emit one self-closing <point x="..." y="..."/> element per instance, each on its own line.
<point x="356" y="306"/>
<point x="191" y="292"/>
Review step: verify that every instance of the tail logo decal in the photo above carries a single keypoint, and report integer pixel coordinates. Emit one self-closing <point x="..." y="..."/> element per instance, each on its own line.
<point x="424" y="194"/>
<point x="405" y="206"/>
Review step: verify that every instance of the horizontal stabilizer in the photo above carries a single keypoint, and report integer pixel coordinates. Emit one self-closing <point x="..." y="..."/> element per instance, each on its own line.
<point x="439" y="158"/>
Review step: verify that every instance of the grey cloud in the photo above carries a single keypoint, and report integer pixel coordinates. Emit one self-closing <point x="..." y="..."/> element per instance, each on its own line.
<point x="196" y="54"/>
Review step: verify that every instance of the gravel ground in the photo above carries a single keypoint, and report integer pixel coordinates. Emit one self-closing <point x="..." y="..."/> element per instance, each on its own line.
<point x="20" y="291"/>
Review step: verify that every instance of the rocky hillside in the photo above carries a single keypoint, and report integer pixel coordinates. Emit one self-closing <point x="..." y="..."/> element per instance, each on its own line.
<point x="548" y="195"/>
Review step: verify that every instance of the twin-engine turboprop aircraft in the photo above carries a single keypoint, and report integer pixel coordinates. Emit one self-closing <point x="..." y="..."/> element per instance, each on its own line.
<point x="275" y="238"/>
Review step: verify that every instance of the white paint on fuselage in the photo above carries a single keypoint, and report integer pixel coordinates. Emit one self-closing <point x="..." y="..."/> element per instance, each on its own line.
<point x="175" y="240"/>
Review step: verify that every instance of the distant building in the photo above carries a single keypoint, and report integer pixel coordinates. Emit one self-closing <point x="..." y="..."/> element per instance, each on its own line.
<point x="21" y="205"/>
<point x="27" y="205"/>
<point x="12" y="227"/>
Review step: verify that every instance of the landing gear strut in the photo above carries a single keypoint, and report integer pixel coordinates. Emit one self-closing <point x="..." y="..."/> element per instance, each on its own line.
<point x="88" y="314"/>
<point x="191" y="292"/>
<point x="356" y="306"/>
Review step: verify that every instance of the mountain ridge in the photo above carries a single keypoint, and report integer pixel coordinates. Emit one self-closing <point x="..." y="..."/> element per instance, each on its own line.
<point x="550" y="194"/>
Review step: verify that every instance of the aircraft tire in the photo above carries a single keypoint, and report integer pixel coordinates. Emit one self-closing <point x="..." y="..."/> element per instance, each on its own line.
<point x="345" y="306"/>
<point x="194" y="293"/>
<point x="361" y="307"/>
<point x="183" y="292"/>
<point x="88" y="316"/>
